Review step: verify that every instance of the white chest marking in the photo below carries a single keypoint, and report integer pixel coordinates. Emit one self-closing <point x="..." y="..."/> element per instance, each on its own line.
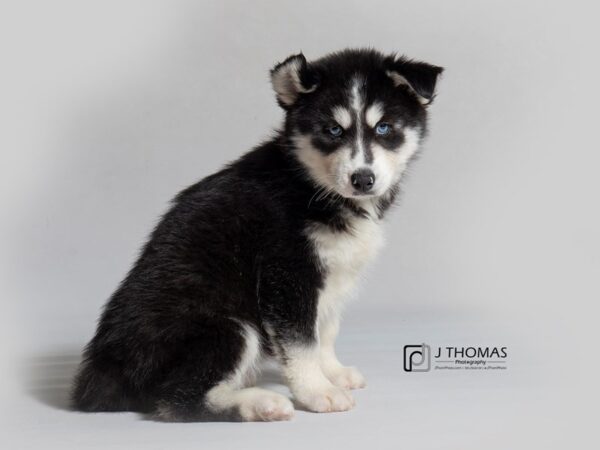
<point x="342" y="256"/>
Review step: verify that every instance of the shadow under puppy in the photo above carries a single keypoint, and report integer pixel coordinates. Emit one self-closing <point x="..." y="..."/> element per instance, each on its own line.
<point x="256" y="260"/>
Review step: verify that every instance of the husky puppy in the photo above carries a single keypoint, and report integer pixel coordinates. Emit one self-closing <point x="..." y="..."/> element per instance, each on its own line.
<point x="255" y="261"/>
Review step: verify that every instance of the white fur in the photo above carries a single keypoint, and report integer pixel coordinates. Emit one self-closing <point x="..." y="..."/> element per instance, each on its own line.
<point x="342" y="116"/>
<point x="252" y="403"/>
<point x="328" y="327"/>
<point x="356" y="98"/>
<point x="326" y="170"/>
<point x="309" y="384"/>
<point x="342" y="255"/>
<point x="389" y="166"/>
<point x="357" y="103"/>
<point x="374" y="114"/>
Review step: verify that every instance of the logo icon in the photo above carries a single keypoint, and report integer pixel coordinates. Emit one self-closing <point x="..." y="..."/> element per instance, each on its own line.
<point x="417" y="358"/>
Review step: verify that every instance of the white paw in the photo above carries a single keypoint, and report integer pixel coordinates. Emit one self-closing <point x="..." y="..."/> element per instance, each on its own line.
<point x="347" y="378"/>
<point x="269" y="407"/>
<point x="329" y="399"/>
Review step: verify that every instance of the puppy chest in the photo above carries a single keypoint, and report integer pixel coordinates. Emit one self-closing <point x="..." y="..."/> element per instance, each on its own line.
<point x="342" y="255"/>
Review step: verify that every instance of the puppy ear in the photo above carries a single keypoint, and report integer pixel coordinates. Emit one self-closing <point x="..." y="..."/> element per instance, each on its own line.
<point x="291" y="78"/>
<point x="418" y="76"/>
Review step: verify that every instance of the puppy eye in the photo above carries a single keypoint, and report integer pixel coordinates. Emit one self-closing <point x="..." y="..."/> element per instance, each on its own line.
<point x="383" y="128"/>
<point x="335" y="131"/>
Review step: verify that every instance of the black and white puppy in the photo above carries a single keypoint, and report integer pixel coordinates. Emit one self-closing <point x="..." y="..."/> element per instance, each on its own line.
<point x="255" y="261"/>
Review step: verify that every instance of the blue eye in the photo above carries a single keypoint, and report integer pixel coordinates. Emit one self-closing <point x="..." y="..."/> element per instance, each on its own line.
<point x="383" y="128"/>
<point x="335" y="131"/>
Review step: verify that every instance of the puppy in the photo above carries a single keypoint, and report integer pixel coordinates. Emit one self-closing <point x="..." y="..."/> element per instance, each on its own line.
<point x="255" y="261"/>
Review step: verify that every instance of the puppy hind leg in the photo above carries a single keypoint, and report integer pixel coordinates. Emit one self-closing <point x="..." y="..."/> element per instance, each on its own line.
<point x="250" y="403"/>
<point x="210" y="383"/>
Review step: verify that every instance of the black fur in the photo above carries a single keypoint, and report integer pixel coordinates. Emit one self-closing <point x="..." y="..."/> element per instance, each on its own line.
<point x="231" y="249"/>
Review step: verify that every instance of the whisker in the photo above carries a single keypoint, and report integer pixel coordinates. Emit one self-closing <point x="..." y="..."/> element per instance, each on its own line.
<point x="320" y="190"/>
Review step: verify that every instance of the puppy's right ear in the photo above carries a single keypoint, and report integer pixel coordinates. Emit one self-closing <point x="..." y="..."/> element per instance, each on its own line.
<point x="292" y="78"/>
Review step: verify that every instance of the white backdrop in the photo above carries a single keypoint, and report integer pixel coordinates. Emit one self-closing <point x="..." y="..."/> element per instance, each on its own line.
<point x="109" y="108"/>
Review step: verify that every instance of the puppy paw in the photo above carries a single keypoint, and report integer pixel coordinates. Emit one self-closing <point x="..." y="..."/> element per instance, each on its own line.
<point x="329" y="399"/>
<point x="268" y="407"/>
<point x="347" y="378"/>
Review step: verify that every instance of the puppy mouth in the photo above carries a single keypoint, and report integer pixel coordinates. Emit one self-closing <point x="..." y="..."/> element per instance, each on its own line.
<point x="358" y="194"/>
<point x="351" y="193"/>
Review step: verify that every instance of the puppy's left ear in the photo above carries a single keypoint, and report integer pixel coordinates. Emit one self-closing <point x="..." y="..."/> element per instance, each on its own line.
<point x="419" y="77"/>
<point x="292" y="78"/>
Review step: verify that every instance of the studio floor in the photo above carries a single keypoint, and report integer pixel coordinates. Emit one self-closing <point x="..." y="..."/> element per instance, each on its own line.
<point x="445" y="409"/>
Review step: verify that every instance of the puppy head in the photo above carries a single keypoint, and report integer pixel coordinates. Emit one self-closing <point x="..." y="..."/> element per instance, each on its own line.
<point x="356" y="117"/>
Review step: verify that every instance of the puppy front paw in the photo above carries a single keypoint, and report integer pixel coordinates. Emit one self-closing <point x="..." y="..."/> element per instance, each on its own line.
<point x="347" y="378"/>
<point x="329" y="399"/>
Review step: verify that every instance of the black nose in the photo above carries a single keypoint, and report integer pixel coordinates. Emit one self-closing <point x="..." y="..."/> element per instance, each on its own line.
<point x="363" y="180"/>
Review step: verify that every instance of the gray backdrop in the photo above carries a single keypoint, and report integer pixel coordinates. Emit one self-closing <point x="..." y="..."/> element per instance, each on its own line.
<point x="109" y="108"/>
